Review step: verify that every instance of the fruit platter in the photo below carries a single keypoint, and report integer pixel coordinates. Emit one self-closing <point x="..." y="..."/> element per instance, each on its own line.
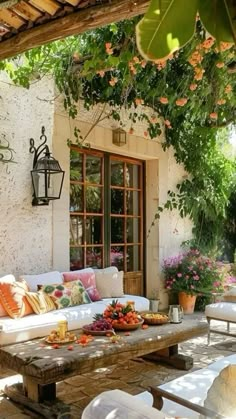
<point x="99" y="327"/>
<point x="154" y="318"/>
<point x="55" y="338"/>
<point x="122" y="316"/>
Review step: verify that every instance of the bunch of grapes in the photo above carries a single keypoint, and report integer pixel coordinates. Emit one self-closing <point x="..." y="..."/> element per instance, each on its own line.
<point x="99" y="325"/>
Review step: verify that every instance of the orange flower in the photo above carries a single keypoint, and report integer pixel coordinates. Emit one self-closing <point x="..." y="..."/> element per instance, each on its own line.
<point x="136" y="60"/>
<point x="226" y="45"/>
<point x="198" y="73"/>
<point x="109" y="50"/>
<point x="207" y="44"/>
<point x="164" y="100"/>
<point x="133" y="70"/>
<point x="160" y="64"/>
<point x="167" y="123"/>
<point x="131" y="131"/>
<point x="145" y="133"/>
<point x="143" y="63"/>
<point x="138" y="101"/>
<point x="182" y="101"/>
<point x="220" y="64"/>
<point x="113" y="81"/>
<point x="220" y="101"/>
<point x="213" y="115"/>
<point x="193" y="86"/>
<point x="101" y="73"/>
<point x="154" y="119"/>
<point x="228" y="88"/>
<point x="196" y="58"/>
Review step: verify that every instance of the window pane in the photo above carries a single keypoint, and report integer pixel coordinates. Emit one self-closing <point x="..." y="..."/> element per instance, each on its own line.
<point x="76" y="166"/>
<point x="93" y="199"/>
<point x="117" y="201"/>
<point x="132" y="202"/>
<point x="133" y="258"/>
<point x="76" y="258"/>
<point x="76" y="230"/>
<point x="94" y="257"/>
<point x="117" y="173"/>
<point x="132" y="176"/>
<point x="93" y="169"/>
<point x="117" y="230"/>
<point x="76" y="198"/>
<point x="93" y="229"/>
<point x="133" y="230"/>
<point x="117" y="257"/>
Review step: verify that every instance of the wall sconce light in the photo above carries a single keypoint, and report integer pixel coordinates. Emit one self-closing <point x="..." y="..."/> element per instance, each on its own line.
<point x="119" y="137"/>
<point x="47" y="175"/>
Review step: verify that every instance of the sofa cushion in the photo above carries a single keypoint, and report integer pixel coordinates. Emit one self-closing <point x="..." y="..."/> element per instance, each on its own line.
<point x="35" y="326"/>
<point x="110" y="284"/>
<point x="48" y="278"/>
<point x="68" y="294"/>
<point x="117" y="404"/>
<point x="3" y="312"/>
<point x="12" y="297"/>
<point x="40" y="302"/>
<point x="222" y="311"/>
<point x="87" y="277"/>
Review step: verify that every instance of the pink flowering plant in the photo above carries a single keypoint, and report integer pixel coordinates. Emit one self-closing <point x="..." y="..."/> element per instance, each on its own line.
<point x="192" y="273"/>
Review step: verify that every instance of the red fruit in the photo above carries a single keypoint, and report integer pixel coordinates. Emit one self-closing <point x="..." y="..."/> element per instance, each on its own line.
<point x="70" y="348"/>
<point x="127" y="333"/>
<point x="145" y="326"/>
<point x="55" y="346"/>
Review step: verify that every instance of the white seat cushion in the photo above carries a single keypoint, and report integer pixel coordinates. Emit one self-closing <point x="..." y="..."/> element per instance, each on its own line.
<point x="39" y="325"/>
<point x="117" y="404"/>
<point x="49" y="278"/>
<point x="222" y="311"/>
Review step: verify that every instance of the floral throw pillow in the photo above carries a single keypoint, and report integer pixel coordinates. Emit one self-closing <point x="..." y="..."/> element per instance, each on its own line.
<point x="88" y="280"/>
<point x="67" y="295"/>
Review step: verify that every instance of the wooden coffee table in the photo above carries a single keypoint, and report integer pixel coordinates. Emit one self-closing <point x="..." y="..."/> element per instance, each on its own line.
<point x="42" y="366"/>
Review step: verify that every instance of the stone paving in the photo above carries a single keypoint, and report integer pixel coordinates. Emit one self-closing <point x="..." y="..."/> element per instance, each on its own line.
<point x="133" y="376"/>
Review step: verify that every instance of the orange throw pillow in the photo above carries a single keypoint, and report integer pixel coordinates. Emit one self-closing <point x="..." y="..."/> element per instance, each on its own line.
<point x="13" y="299"/>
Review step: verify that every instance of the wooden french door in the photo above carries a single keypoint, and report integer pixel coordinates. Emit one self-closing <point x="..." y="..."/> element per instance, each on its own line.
<point x="106" y="214"/>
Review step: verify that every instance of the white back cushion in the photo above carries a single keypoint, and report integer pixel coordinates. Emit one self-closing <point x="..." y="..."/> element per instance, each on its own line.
<point x="47" y="278"/>
<point x="110" y="284"/>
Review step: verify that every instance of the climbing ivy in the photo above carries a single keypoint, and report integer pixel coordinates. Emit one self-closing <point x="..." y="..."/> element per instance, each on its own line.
<point x="190" y="96"/>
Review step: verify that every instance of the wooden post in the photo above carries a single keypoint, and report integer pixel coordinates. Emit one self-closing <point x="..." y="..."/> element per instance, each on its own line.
<point x="38" y="393"/>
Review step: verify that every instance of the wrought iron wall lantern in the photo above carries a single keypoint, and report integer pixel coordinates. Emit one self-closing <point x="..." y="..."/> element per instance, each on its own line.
<point x="119" y="137"/>
<point x="47" y="175"/>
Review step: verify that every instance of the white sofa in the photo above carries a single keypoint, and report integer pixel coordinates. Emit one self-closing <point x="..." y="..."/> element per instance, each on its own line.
<point x="39" y="325"/>
<point x="221" y="311"/>
<point x="192" y="387"/>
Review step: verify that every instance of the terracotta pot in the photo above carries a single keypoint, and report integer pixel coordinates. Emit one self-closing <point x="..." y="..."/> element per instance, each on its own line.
<point x="187" y="302"/>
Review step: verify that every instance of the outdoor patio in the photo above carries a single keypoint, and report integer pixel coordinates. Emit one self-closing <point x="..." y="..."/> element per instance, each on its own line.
<point x="133" y="377"/>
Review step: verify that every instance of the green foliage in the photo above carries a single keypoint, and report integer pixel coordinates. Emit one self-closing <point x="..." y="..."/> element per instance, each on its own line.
<point x="170" y="24"/>
<point x="190" y="97"/>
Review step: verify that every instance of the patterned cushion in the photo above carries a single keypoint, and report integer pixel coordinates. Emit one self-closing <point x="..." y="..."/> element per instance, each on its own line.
<point x="88" y="280"/>
<point x="12" y="297"/>
<point x="40" y="302"/>
<point x="47" y="278"/>
<point x="68" y="294"/>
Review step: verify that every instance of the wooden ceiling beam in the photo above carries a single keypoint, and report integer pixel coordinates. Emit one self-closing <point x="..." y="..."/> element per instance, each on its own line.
<point x="72" y="24"/>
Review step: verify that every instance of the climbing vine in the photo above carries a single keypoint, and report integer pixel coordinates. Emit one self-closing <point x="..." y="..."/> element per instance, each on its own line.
<point x="191" y="96"/>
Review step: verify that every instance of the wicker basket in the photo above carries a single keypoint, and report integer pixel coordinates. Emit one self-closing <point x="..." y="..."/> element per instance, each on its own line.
<point x="128" y="326"/>
<point x="153" y="320"/>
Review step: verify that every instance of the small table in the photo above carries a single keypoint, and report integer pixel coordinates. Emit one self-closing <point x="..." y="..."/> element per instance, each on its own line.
<point x="42" y="366"/>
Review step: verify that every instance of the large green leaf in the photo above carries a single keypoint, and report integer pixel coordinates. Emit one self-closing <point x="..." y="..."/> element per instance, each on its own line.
<point x="167" y="25"/>
<point x="215" y="16"/>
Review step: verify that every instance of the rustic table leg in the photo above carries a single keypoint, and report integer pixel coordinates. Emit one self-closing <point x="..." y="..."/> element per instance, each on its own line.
<point x="37" y="392"/>
<point x="172" y="357"/>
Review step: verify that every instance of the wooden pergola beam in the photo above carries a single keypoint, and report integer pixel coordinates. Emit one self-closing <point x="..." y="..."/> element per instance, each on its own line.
<point x="72" y="24"/>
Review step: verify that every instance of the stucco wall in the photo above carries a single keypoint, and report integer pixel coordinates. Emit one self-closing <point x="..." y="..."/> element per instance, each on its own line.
<point x="36" y="239"/>
<point x="25" y="231"/>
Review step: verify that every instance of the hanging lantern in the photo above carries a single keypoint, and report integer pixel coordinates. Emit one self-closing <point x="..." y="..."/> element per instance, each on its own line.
<point x="47" y="175"/>
<point x="119" y="137"/>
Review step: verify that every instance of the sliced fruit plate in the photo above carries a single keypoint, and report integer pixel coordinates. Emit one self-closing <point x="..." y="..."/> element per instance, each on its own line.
<point x="88" y="331"/>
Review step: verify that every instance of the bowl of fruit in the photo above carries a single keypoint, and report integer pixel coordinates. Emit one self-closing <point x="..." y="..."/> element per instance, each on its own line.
<point x="154" y="318"/>
<point x="99" y="327"/>
<point x="122" y="316"/>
